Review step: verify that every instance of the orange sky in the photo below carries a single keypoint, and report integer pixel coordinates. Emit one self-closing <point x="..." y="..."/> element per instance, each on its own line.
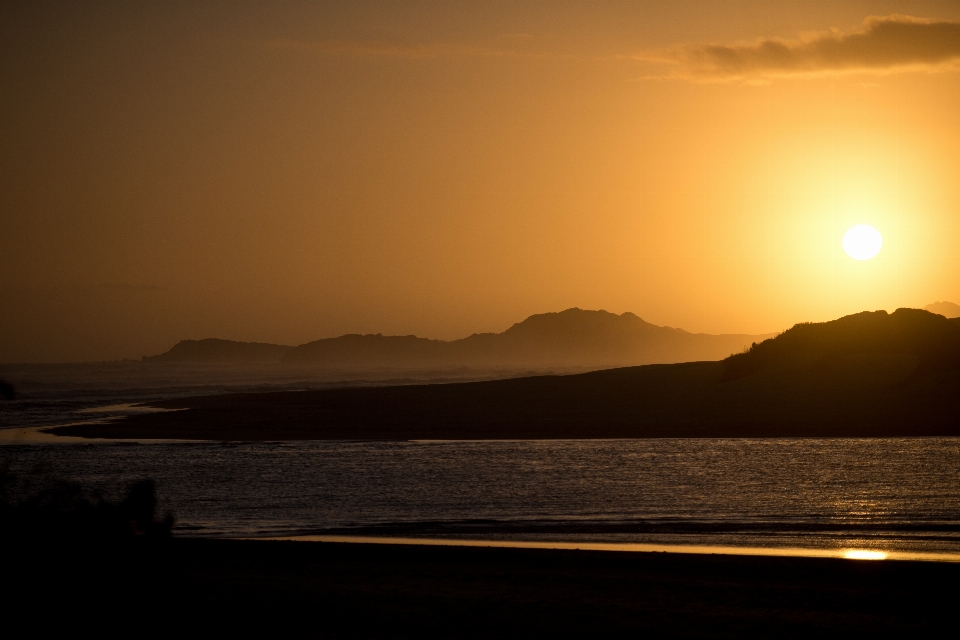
<point x="283" y="172"/>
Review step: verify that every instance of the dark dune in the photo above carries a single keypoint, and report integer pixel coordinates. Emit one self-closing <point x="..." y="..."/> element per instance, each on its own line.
<point x="930" y="338"/>
<point x="354" y="590"/>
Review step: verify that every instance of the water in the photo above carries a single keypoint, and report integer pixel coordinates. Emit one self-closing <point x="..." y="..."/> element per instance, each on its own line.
<point x="899" y="494"/>
<point x="51" y="394"/>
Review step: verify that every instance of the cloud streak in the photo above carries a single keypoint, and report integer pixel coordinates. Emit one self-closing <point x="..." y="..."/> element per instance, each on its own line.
<point x="884" y="44"/>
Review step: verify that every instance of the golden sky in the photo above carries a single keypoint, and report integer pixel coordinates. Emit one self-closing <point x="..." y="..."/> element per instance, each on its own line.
<point x="282" y="172"/>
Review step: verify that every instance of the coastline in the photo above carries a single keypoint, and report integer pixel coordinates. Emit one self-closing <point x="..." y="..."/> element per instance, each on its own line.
<point x="866" y="398"/>
<point x="365" y="590"/>
<point x="857" y="554"/>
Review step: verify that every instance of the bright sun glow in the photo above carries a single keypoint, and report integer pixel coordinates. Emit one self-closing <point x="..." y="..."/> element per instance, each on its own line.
<point x="862" y="242"/>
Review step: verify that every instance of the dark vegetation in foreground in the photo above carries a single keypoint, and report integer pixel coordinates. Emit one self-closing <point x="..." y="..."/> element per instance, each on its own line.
<point x="71" y="562"/>
<point x="866" y="375"/>
<point x="350" y="590"/>
<point x="52" y="509"/>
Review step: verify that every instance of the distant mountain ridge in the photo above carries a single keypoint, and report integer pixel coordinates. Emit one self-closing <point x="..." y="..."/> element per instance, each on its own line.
<point x="570" y="338"/>
<point x="215" y="350"/>
<point x="944" y="308"/>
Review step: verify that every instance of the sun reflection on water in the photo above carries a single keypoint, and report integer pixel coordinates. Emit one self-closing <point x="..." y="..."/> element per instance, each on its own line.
<point x="850" y="554"/>
<point x="863" y="554"/>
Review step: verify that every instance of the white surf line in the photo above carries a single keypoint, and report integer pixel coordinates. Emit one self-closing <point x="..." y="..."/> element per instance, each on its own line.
<point x="36" y="435"/>
<point x="126" y="408"/>
<point x="40" y="435"/>
<point x="849" y="554"/>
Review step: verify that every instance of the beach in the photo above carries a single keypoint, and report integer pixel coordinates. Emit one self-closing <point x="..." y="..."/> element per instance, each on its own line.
<point x="365" y="590"/>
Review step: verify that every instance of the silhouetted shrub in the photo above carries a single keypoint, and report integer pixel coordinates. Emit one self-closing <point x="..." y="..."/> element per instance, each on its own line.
<point x="58" y="508"/>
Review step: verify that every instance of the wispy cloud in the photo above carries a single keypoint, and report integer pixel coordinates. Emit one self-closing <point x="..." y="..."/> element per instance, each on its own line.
<point x="884" y="44"/>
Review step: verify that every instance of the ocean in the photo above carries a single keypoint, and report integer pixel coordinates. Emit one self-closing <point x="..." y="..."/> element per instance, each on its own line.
<point x="888" y="495"/>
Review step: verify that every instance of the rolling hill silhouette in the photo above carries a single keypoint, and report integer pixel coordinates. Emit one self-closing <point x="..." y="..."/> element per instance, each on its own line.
<point x="932" y="340"/>
<point x="215" y="350"/>
<point x="872" y="374"/>
<point x="571" y="338"/>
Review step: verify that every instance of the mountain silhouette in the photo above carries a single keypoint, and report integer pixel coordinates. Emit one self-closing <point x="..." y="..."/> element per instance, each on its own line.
<point x="871" y="374"/>
<point x="571" y="338"/>
<point x="214" y="350"/>
<point x="944" y="308"/>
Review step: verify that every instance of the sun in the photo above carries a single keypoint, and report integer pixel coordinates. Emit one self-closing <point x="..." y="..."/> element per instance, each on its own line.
<point x="862" y="242"/>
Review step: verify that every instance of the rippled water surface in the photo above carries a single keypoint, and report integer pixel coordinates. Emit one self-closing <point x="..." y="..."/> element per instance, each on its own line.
<point x="896" y="494"/>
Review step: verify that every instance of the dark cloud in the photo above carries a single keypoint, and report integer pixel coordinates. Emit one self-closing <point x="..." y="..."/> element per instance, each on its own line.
<point x="885" y="43"/>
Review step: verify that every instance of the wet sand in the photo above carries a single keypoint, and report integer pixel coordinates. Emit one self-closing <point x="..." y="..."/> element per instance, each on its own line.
<point x="358" y="590"/>
<point x="852" y="553"/>
<point x="863" y="397"/>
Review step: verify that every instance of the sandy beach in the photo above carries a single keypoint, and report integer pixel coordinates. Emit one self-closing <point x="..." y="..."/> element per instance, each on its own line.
<point x="363" y="590"/>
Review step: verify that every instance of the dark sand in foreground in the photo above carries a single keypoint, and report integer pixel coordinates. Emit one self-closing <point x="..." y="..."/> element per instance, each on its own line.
<point x="858" y="396"/>
<point x="336" y="590"/>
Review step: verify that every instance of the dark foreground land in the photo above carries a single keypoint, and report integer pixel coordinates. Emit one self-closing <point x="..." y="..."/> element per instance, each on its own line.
<point x="865" y="396"/>
<point x="354" y="590"/>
